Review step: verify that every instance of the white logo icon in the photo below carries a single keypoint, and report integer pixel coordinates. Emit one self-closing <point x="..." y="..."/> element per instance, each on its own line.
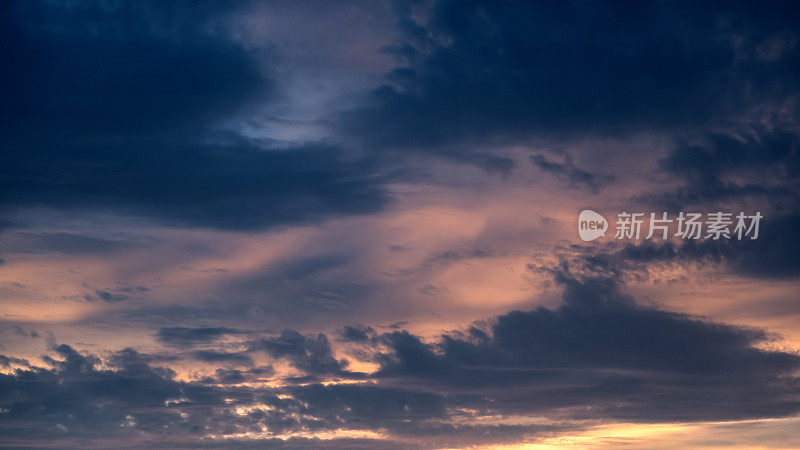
<point x="591" y="225"/>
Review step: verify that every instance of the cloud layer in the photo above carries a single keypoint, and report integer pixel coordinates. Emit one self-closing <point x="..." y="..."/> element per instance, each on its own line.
<point x="295" y="224"/>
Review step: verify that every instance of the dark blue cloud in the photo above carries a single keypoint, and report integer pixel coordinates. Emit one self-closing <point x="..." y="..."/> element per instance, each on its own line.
<point x="312" y="355"/>
<point x="73" y="392"/>
<point x="106" y="296"/>
<point x="598" y="346"/>
<point x="234" y="186"/>
<point x="572" y="173"/>
<point x="719" y="154"/>
<point x="488" y="71"/>
<point x="89" y="70"/>
<point x="357" y="333"/>
<point x="760" y="163"/>
<point x="118" y="106"/>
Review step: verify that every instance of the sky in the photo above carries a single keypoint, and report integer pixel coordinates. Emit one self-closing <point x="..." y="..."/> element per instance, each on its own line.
<point x="354" y="224"/>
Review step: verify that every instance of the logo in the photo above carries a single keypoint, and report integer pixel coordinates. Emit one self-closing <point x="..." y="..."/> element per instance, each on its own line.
<point x="591" y="225"/>
<point x="686" y="226"/>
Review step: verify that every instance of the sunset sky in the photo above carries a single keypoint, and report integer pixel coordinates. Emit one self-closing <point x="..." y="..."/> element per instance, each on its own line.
<point x="354" y="224"/>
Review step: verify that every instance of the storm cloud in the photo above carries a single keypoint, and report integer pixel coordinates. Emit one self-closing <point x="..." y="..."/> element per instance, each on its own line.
<point x="122" y="107"/>
<point x="352" y="225"/>
<point x="599" y="354"/>
<point x="478" y="71"/>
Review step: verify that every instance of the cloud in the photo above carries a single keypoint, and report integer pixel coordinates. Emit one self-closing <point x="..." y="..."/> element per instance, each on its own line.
<point x="134" y="100"/>
<point x="357" y="333"/>
<point x="571" y="173"/>
<point x="718" y="154"/>
<point x="233" y="185"/>
<point x="76" y="403"/>
<point x="483" y="72"/>
<point x="7" y="361"/>
<point x="602" y="353"/>
<point x="598" y="355"/>
<point x="187" y="337"/>
<point x="213" y="356"/>
<point x="64" y="243"/>
<point x="234" y="376"/>
<point x="74" y="398"/>
<point x="121" y="70"/>
<point x="761" y="163"/>
<point x="106" y="296"/>
<point x="311" y="355"/>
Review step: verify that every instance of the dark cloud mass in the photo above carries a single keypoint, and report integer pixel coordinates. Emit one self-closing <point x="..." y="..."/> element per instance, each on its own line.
<point x="116" y="105"/>
<point x="571" y="173"/>
<point x="357" y="333"/>
<point x="311" y="355"/>
<point x="761" y="164"/>
<point x="600" y="354"/>
<point x="601" y="349"/>
<point x="489" y="70"/>
<point x="106" y="296"/>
